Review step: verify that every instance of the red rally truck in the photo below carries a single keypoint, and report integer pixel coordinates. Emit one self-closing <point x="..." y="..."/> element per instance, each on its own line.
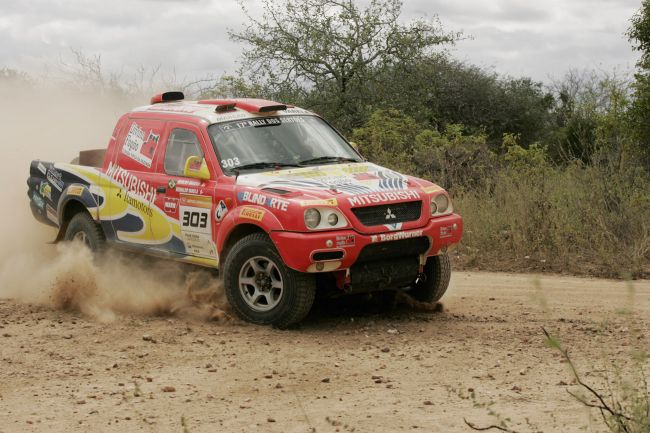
<point x="269" y="194"/>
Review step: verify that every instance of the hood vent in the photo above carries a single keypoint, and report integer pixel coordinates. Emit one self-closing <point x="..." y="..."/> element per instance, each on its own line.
<point x="276" y="191"/>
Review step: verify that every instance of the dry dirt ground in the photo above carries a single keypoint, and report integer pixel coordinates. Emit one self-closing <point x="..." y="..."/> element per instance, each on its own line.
<point x="344" y="369"/>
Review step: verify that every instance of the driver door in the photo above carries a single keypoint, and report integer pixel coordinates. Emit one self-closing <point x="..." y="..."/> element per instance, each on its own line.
<point x="187" y="204"/>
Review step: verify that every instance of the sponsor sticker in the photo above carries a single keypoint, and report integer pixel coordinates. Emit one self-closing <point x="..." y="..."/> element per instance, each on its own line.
<point x="187" y="190"/>
<point x="75" y="190"/>
<point x="51" y="214"/>
<point x="46" y="190"/>
<point x="323" y="202"/>
<point x="345" y="241"/>
<point x="263" y="200"/>
<point x="199" y="244"/>
<point x="430" y="189"/>
<point x="41" y="168"/>
<point x="445" y="232"/>
<point x="220" y="211"/>
<point x="188" y="182"/>
<point x="135" y="202"/>
<point x="139" y="148"/>
<point x="395" y="236"/>
<point x="252" y="213"/>
<point x="131" y="182"/>
<point x="195" y="213"/>
<point x="54" y="177"/>
<point x="202" y="201"/>
<point x="170" y="206"/>
<point x="266" y="121"/>
<point x="382" y="197"/>
<point x="171" y="184"/>
<point x="394" y="226"/>
<point x="38" y="201"/>
<point x="196" y="226"/>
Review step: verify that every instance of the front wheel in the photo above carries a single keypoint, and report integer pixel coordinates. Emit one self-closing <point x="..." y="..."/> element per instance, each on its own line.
<point x="433" y="284"/>
<point x="261" y="288"/>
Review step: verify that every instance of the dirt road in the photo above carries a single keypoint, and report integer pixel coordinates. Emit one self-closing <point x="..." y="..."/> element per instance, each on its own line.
<point x="343" y="370"/>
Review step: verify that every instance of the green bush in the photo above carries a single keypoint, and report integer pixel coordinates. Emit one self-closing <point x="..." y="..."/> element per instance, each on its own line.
<point x="522" y="212"/>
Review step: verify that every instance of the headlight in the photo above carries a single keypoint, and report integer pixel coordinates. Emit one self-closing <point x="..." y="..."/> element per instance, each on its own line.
<point x="440" y="205"/>
<point x="442" y="202"/>
<point x="324" y="218"/>
<point x="312" y="218"/>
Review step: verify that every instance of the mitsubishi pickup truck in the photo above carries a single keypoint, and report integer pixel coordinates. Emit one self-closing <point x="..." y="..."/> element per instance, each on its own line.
<point x="269" y="194"/>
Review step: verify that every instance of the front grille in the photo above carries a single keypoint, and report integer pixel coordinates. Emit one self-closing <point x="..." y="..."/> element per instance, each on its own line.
<point x="388" y="213"/>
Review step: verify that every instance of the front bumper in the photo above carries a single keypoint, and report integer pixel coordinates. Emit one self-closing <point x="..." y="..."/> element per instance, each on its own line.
<point x="339" y="249"/>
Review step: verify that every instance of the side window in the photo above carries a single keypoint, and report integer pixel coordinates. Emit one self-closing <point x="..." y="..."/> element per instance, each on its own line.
<point x="181" y="145"/>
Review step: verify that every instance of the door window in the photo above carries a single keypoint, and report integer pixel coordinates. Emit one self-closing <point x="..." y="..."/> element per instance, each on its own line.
<point x="181" y="145"/>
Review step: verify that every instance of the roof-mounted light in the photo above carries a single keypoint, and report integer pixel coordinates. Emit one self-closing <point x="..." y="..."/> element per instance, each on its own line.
<point x="167" y="97"/>
<point x="253" y="106"/>
<point x="223" y="105"/>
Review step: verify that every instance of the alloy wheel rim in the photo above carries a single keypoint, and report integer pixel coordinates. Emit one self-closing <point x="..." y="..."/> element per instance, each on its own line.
<point x="260" y="283"/>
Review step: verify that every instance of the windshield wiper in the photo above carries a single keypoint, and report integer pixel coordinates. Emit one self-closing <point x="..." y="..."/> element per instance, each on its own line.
<point x="255" y="165"/>
<point x="328" y="159"/>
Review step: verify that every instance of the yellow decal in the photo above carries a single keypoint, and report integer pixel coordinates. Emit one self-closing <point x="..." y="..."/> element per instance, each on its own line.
<point x="430" y="189"/>
<point x="327" y="171"/>
<point x="252" y="213"/>
<point x="321" y="202"/>
<point x="196" y="201"/>
<point x="75" y="190"/>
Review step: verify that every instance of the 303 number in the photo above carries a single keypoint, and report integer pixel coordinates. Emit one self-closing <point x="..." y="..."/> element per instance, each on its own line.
<point x="195" y="219"/>
<point x="230" y="162"/>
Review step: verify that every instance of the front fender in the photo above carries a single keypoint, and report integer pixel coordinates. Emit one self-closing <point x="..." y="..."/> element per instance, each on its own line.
<point x="255" y="215"/>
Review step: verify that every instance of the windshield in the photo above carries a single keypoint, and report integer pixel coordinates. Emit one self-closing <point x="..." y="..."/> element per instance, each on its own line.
<point x="276" y="142"/>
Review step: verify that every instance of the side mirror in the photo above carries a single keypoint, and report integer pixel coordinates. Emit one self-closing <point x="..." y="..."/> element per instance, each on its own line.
<point x="197" y="168"/>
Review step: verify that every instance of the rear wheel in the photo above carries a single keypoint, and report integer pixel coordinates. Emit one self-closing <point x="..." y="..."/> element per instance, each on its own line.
<point x="433" y="284"/>
<point x="261" y="288"/>
<point x="83" y="229"/>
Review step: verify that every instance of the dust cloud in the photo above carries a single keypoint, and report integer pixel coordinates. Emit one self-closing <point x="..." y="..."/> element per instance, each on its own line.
<point x="54" y="124"/>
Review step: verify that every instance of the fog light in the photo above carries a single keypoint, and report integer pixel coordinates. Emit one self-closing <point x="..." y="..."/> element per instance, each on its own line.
<point x="333" y="219"/>
<point x="320" y="266"/>
<point x="329" y="243"/>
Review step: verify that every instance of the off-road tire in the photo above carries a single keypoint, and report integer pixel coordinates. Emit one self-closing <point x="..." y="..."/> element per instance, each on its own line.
<point x="298" y="289"/>
<point x="82" y="225"/>
<point x="437" y="272"/>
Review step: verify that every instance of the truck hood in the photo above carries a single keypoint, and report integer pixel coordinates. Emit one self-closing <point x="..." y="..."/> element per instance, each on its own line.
<point x="345" y="186"/>
<point x="327" y="180"/>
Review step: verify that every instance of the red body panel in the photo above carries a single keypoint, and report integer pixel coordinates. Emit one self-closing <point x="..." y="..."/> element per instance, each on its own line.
<point x="297" y="249"/>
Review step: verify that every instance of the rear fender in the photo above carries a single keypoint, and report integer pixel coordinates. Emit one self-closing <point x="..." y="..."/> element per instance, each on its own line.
<point x="74" y="198"/>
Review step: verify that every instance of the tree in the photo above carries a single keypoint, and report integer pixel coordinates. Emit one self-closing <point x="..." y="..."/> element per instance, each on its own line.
<point x="331" y="49"/>
<point x="639" y="35"/>
<point x="438" y="91"/>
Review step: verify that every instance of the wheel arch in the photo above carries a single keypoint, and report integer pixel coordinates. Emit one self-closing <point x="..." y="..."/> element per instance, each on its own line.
<point x="237" y="233"/>
<point x="68" y="209"/>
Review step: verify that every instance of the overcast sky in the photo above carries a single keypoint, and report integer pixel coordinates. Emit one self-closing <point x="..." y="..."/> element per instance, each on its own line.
<point x="519" y="38"/>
